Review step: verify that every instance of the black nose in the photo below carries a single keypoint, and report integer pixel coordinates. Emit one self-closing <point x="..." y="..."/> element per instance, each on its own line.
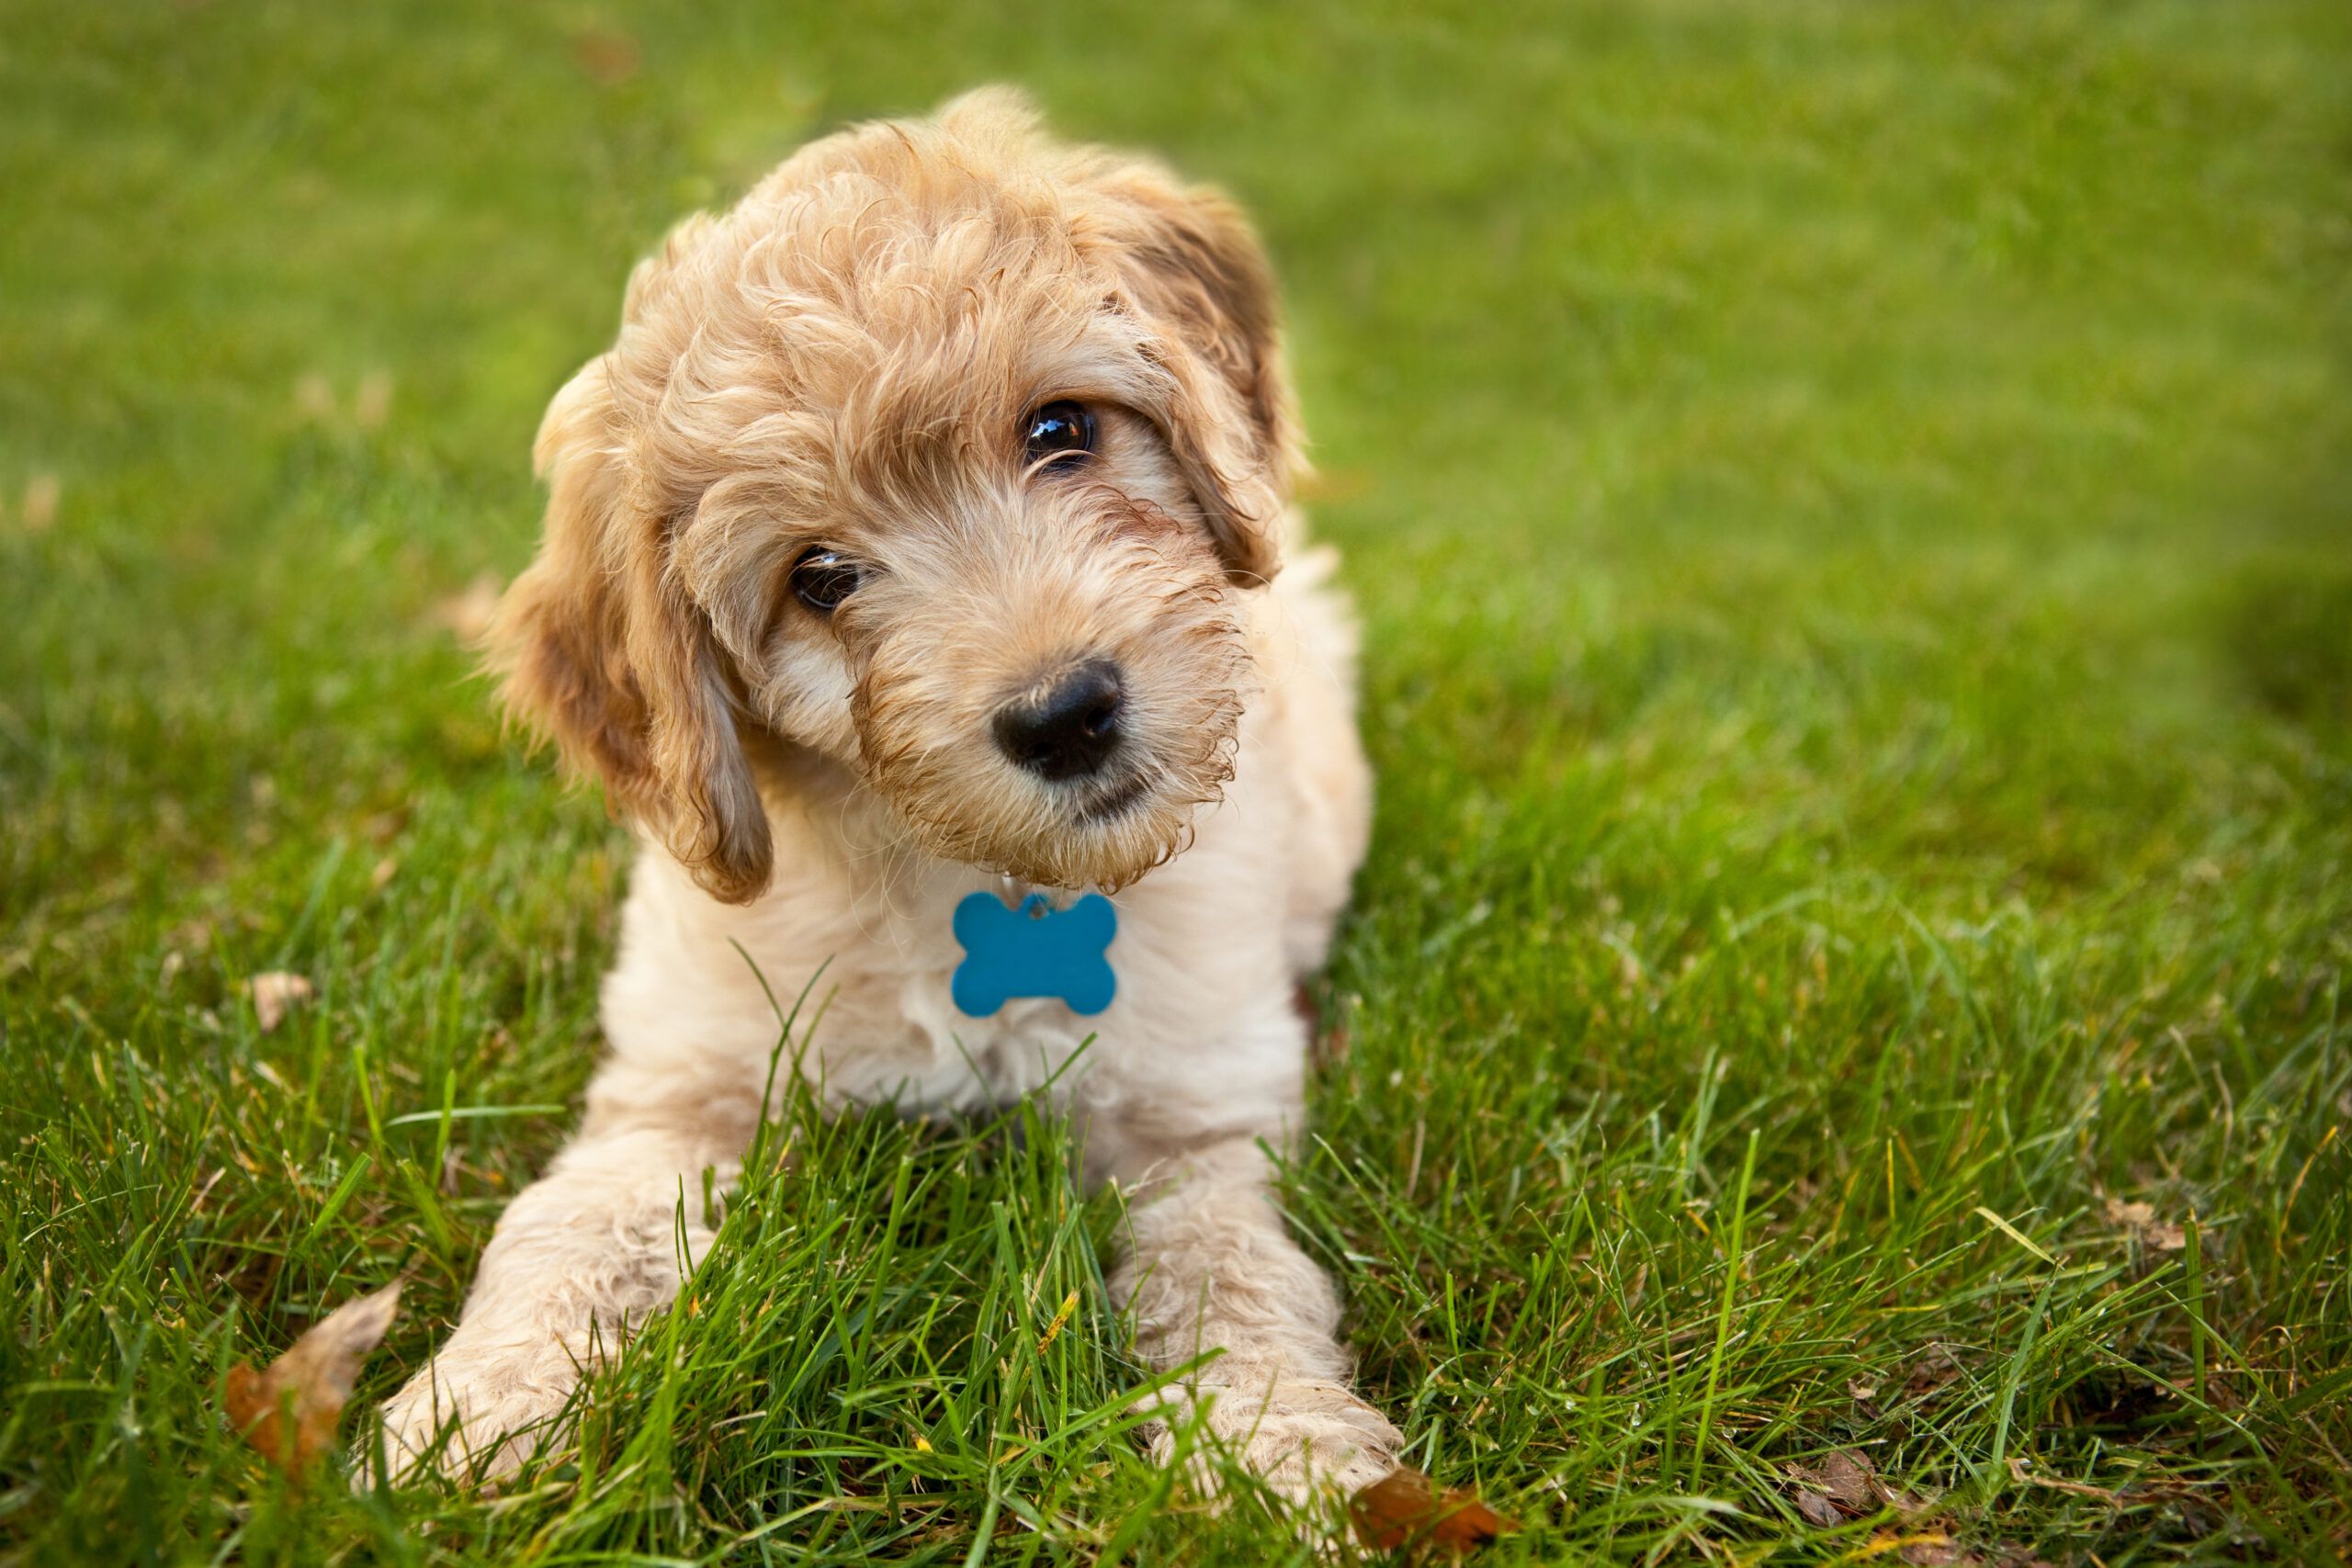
<point x="1068" y="727"/>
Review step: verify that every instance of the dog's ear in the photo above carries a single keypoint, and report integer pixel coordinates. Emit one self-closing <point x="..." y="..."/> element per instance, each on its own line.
<point x="601" y="651"/>
<point x="1200" y="278"/>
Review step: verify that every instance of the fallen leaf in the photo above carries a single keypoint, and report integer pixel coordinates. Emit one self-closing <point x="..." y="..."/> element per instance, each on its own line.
<point x="1841" y="1476"/>
<point x="289" y="1410"/>
<point x="1404" y="1509"/>
<point x="1928" y="1550"/>
<point x="1936" y="1367"/>
<point x="1900" y="1499"/>
<point x="1846" y="1476"/>
<point x="277" y="993"/>
<point x="1846" y="1483"/>
<point x="468" y="612"/>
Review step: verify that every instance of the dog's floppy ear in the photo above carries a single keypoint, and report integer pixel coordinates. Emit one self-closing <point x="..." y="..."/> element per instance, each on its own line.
<point x="1198" y="277"/>
<point x="601" y="651"/>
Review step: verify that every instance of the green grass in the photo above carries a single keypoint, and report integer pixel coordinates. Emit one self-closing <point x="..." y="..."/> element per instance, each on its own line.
<point x="1852" y="512"/>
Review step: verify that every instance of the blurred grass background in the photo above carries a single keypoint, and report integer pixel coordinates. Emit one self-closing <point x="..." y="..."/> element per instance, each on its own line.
<point x="1852" y="509"/>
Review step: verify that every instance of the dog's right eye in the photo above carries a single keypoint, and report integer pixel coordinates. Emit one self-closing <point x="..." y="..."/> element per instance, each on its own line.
<point x="1058" y="429"/>
<point x="823" y="577"/>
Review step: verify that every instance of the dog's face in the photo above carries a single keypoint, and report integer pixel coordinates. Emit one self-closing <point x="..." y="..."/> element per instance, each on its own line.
<point x="946" y="456"/>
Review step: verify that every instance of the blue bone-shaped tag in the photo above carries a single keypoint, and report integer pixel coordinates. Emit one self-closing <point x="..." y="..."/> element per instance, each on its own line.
<point x="1033" y="952"/>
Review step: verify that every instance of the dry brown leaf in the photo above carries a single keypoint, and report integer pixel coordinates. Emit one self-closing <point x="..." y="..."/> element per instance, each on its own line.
<point x="467" y="612"/>
<point x="1403" y="1510"/>
<point x="1841" y="1476"/>
<point x="1900" y="1499"/>
<point x="289" y="1410"/>
<point x="1846" y="1476"/>
<point x="277" y="993"/>
<point x="1935" y="1367"/>
<point x="1846" y="1484"/>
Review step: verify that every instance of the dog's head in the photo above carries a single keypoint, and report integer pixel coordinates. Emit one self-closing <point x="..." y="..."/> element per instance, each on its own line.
<point x="945" y="455"/>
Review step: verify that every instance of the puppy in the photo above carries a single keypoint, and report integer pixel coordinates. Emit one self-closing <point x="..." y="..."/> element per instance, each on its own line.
<point x="917" y="539"/>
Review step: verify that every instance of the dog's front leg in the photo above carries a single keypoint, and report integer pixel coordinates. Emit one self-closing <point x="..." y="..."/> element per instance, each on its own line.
<point x="1213" y="1270"/>
<point x="582" y="1256"/>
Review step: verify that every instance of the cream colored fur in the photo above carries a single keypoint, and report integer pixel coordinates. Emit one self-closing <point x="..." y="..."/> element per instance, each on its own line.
<point x="845" y="361"/>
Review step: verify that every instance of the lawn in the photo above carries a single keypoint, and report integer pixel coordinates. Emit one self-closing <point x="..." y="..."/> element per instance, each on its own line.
<point x="1852" y="507"/>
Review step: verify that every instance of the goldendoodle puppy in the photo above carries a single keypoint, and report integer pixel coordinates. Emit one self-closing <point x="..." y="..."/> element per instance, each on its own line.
<point x="909" y="580"/>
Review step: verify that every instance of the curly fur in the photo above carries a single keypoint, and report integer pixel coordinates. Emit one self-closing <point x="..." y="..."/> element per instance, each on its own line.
<point x="843" y="360"/>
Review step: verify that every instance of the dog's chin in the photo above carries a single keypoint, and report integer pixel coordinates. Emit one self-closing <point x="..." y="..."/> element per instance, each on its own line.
<point x="1102" y="805"/>
<point x="1106" y="835"/>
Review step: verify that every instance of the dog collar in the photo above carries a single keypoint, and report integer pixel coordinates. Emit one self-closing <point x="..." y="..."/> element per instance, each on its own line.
<point x="1034" y="950"/>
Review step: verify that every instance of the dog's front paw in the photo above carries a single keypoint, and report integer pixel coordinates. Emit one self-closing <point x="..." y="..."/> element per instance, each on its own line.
<point x="1306" y="1439"/>
<point x="477" y="1416"/>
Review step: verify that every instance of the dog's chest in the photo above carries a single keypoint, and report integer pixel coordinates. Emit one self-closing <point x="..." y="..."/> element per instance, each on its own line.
<point x="914" y="1043"/>
<point x="870" y="986"/>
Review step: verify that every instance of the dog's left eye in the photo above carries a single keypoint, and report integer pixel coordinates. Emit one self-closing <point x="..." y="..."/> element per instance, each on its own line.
<point x="824" y="578"/>
<point x="1058" y="429"/>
